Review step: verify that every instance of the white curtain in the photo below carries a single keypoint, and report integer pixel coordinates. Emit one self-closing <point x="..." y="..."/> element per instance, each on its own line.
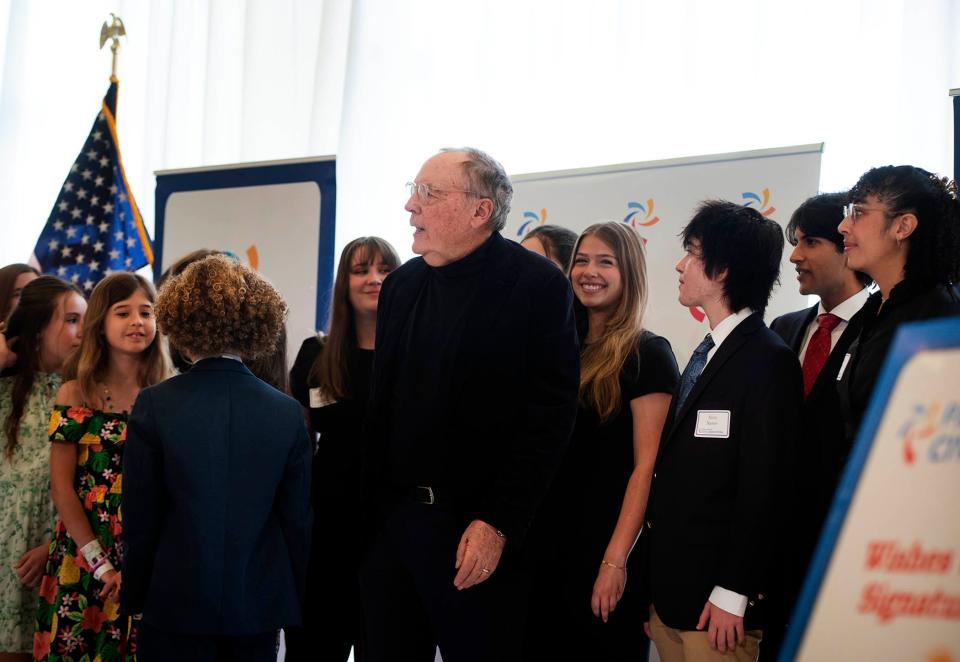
<point x="539" y="84"/>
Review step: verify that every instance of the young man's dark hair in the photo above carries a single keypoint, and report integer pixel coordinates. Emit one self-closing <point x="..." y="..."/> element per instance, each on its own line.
<point x="740" y="241"/>
<point x="819" y="216"/>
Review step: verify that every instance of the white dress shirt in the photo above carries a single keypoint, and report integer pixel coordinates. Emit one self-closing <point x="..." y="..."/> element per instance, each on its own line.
<point x="845" y="311"/>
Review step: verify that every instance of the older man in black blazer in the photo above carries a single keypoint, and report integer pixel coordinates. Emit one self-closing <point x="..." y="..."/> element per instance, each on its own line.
<point x="723" y="464"/>
<point x="474" y="394"/>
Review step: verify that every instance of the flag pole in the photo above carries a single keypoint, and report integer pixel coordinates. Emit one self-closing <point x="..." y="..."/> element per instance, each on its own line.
<point x="112" y="29"/>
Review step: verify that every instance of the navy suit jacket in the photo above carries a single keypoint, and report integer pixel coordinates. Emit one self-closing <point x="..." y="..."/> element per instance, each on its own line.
<point x="515" y="399"/>
<point x="713" y="513"/>
<point x="216" y="504"/>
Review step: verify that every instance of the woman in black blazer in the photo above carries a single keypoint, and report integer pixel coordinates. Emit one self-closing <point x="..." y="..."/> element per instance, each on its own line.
<point x="331" y="379"/>
<point x="902" y="228"/>
<point x="216" y="502"/>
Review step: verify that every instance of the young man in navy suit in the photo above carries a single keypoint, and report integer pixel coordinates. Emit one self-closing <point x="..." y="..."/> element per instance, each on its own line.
<point x="821" y="336"/>
<point x="723" y="469"/>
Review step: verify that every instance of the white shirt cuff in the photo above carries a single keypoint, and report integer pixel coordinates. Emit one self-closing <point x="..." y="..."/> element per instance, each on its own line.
<point x="735" y="603"/>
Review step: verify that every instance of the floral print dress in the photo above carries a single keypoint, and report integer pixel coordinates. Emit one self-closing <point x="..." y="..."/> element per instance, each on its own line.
<point x="73" y="623"/>
<point x="26" y="510"/>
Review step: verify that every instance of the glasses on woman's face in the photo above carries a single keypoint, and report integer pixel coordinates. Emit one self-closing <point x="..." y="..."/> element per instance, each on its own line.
<point x="855" y="211"/>
<point x="427" y="193"/>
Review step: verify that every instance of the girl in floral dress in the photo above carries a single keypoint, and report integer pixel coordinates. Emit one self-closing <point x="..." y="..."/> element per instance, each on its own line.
<point x="79" y="618"/>
<point x="40" y="332"/>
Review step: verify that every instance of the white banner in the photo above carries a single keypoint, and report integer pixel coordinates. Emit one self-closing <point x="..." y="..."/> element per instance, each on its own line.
<point x="658" y="198"/>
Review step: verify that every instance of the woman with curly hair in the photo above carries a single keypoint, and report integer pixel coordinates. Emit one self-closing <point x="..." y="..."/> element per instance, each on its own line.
<point x="331" y="379"/>
<point x="79" y="613"/>
<point x="43" y="330"/>
<point x="217" y="502"/>
<point x="902" y="228"/>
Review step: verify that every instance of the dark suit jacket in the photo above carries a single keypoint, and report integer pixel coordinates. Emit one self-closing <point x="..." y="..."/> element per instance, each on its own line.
<point x="216" y="503"/>
<point x="712" y="517"/>
<point x="823" y="449"/>
<point x="514" y="400"/>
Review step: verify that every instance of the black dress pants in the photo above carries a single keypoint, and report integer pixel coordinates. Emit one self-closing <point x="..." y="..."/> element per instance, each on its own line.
<point x="409" y="601"/>
<point x="155" y="645"/>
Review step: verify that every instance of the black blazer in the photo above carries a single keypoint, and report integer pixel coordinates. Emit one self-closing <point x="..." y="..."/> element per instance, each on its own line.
<point x="824" y="447"/>
<point x="712" y="517"/>
<point x="216" y="503"/>
<point x="514" y="400"/>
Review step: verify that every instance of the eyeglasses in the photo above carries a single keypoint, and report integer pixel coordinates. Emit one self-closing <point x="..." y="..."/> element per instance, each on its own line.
<point x="855" y="212"/>
<point x="428" y="193"/>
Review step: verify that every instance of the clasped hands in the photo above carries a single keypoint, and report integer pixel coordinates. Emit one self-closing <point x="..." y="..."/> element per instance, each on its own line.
<point x="477" y="554"/>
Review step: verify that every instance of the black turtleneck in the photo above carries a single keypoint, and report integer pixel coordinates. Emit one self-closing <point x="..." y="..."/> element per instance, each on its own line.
<point x="428" y="363"/>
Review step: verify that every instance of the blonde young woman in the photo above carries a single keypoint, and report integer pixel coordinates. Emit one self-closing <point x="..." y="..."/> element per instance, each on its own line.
<point x="119" y="354"/>
<point x="590" y="521"/>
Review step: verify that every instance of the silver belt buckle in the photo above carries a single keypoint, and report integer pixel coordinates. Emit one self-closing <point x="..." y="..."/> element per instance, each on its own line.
<point x="431" y="499"/>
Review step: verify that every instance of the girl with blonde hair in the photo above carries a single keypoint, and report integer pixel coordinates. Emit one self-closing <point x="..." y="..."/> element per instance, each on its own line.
<point x="590" y="521"/>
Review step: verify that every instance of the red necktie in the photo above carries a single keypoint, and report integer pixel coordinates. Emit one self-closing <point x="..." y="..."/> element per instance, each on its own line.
<point x="818" y="350"/>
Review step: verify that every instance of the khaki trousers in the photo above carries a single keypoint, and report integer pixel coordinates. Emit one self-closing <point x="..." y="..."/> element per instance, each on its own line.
<point x="692" y="645"/>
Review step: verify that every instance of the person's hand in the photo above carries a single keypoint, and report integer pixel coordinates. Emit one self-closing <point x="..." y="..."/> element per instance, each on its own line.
<point x="477" y="554"/>
<point x="607" y="590"/>
<point x="111" y="586"/>
<point x="7" y="356"/>
<point x="29" y="568"/>
<point x="726" y="630"/>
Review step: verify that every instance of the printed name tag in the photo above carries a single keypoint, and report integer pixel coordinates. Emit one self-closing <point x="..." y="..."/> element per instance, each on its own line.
<point x="713" y="423"/>
<point x="843" y="366"/>
<point x="317" y="400"/>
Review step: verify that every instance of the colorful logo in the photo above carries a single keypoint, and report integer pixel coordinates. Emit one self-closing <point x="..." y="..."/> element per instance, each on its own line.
<point x="634" y="218"/>
<point x="761" y="201"/>
<point x="253" y="257"/>
<point x="531" y="219"/>
<point x="698" y="314"/>
<point x="934" y="428"/>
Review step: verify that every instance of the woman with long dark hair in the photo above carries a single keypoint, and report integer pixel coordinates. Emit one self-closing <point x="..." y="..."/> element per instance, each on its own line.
<point x="44" y="329"/>
<point x="331" y="379"/>
<point x="902" y="228"/>
<point x="13" y="278"/>
<point x="582" y="539"/>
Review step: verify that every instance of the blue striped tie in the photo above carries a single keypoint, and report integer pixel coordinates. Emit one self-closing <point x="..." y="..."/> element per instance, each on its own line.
<point x="692" y="372"/>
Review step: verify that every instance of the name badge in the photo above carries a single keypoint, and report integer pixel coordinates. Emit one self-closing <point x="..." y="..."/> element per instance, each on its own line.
<point x="843" y="366"/>
<point x="713" y="423"/>
<point x="317" y="400"/>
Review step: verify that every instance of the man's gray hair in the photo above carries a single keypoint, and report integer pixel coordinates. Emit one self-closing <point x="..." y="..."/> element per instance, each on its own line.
<point x="487" y="179"/>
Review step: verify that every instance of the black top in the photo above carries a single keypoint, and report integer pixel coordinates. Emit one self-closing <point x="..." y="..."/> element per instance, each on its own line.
<point x="336" y="466"/>
<point x="585" y="498"/>
<point x="909" y="301"/>
<point x="417" y="450"/>
<point x="512" y="397"/>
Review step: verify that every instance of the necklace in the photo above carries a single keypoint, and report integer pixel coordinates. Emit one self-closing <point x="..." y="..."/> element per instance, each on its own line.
<point x="108" y="400"/>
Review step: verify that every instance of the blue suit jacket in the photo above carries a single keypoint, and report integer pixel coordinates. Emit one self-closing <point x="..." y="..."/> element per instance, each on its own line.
<point x="216" y="504"/>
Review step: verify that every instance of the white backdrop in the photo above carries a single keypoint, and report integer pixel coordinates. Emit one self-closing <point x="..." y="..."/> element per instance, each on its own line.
<point x="658" y="199"/>
<point x="540" y="84"/>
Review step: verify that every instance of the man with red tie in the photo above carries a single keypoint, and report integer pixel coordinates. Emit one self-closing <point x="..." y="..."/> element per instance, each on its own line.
<point x="821" y="336"/>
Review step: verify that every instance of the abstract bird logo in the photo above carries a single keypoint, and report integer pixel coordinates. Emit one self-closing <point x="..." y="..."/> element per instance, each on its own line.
<point x="920" y="427"/>
<point x="634" y="218"/>
<point x="531" y="219"/>
<point x="761" y="201"/>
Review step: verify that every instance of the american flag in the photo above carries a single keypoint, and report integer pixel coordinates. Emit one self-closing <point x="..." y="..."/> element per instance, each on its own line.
<point x="95" y="227"/>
